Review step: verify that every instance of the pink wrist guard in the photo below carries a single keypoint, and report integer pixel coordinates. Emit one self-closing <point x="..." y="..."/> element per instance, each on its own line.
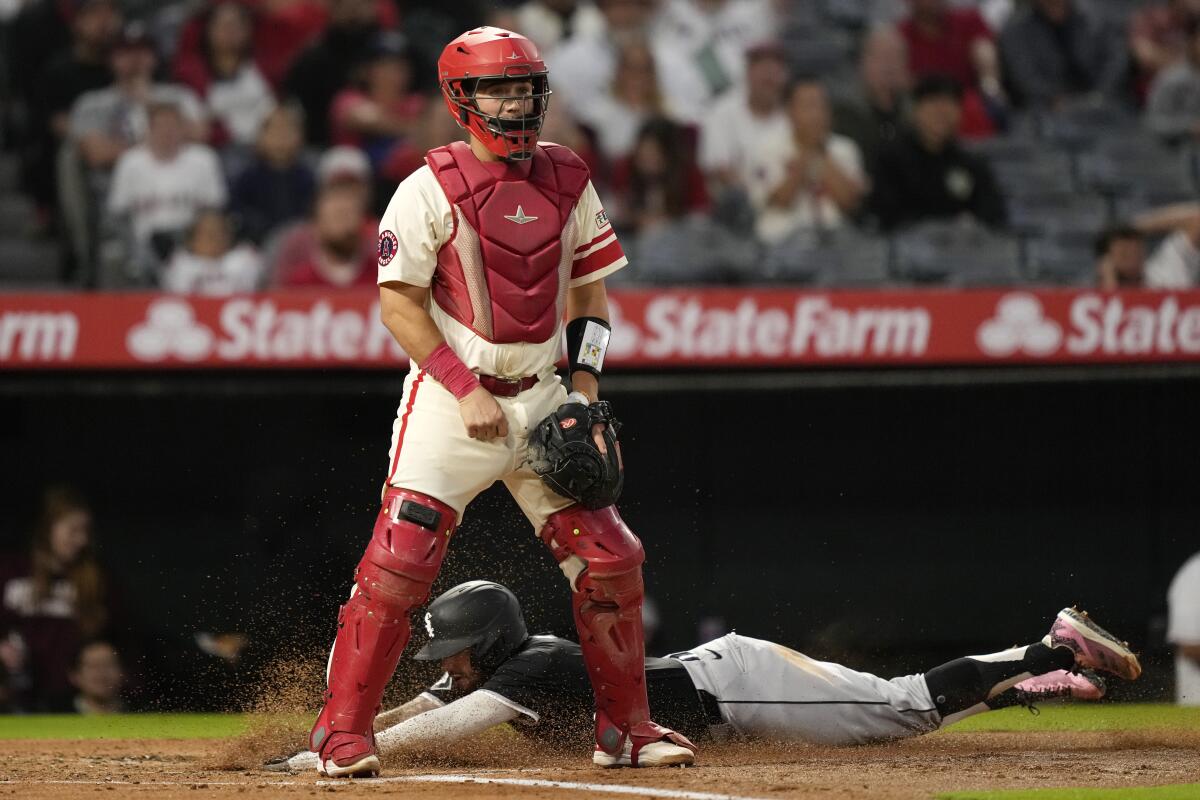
<point x="449" y="370"/>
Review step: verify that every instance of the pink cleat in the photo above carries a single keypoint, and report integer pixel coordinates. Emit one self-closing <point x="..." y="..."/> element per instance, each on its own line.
<point x="1094" y="647"/>
<point x="1085" y="685"/>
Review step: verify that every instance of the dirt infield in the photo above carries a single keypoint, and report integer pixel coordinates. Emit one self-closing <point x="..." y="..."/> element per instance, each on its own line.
<point x="906" y="770"/>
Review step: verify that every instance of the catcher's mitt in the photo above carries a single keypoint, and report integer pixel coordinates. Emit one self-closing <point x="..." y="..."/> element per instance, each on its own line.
<point x="563" y="453"/>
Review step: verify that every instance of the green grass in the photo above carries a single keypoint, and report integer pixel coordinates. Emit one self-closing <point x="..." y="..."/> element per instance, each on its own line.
<point x="1178" y="791"/>
<point x="1096" y="717"/>
<point x="123" y="726"/>
<point x="1080" y="717"/>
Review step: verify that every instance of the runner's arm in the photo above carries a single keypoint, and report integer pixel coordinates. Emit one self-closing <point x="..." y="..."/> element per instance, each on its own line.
<point x="418" y="705"/>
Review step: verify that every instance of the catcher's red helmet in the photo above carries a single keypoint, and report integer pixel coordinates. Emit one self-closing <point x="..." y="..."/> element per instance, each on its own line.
<point x="483" y="54"/>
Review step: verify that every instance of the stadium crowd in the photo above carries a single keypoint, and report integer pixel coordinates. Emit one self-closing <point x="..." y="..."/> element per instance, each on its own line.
<point x="218" y="146"/>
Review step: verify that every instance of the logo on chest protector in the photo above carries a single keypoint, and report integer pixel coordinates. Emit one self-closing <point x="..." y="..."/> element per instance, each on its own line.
<point x="567" y="423"/>
<point x="429" y="624"/>
<point x="520" y="217"/>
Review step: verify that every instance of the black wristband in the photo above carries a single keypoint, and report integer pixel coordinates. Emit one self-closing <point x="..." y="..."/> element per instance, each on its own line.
<point x="587" y="341"/>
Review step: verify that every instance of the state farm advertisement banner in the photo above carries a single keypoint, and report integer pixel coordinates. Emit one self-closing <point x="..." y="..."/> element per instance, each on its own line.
<point x="664" y="328"/>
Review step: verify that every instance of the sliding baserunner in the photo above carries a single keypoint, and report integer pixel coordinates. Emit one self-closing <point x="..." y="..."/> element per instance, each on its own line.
<point x="495" y="672"/>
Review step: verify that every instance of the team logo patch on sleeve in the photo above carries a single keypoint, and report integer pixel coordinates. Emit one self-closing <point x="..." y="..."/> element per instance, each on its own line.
<point x="388" y="245"/>
<point x="601" y="219"/>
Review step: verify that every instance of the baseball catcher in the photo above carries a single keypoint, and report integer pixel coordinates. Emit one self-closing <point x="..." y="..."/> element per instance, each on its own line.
<point x="495" y="672"/>
<point x="483" y="253"/>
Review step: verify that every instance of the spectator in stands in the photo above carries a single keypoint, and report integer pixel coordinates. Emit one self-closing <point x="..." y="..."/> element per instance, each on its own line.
<point x="1173" y="107"/>
<point x="660" y="182"/>
<point x="890" y="12"/>
<point x="584" y="64"/>
<point x="210" y="262"/>
<point x="874" y="112"/>
<point x="701" y="45"/>
<point x="82" y="68"/>
<point x="616" y="117"/>
<point x="1121" y="260"/>
<point x="926" y="174"/>
<point x="98" y="677"/>
<point x="558" y="127"/>
<point x="281" y="30"/>
<point x="159" y="187"/>
<point x="1158" y="38"/>
<point x="51" y="602"/>
<point x="324" y="68"/>
<point x="809" y="177"/>
<point x="550" y="22"/>
<point x="277" y="187"/>
<point x="107" y="122"/>
<point x="1056" y="50"/>
<point x="40" y="31"/>
<point x="337" y="248"/>
<point x="1183" y="630"/>
<point x="741" y="121"/>
<point x="379" y="111"/>
<point x="347" y="165"/>
<point x="955" y="42"/>
<point x="226" y="76"/>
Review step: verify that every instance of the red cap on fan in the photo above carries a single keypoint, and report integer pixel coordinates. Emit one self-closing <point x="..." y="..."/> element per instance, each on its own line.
<point x="488" y="54"/>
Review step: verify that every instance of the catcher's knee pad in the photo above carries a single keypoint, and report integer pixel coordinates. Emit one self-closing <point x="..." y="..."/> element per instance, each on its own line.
<point x="596" y="542"/>
<point x="406" y="550"/>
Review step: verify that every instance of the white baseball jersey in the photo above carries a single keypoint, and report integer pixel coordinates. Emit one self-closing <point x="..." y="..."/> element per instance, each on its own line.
<point x="422" y="220"/>
<point x="165" y="195"/>
<point x="1183" y="627"/>
<point x="431" y="452"/>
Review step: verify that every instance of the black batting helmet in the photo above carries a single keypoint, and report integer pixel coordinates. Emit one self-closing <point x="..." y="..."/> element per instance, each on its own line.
<point x="480" y="615"/>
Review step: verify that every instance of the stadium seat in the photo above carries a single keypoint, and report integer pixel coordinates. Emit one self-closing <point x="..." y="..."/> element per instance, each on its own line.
<point x="1115" y="12"/>
<point x="10" y="171"/>
<point x="18" y="216"/>
<point x="1147" y="198"/>
<point x="856" y="260"/>
<point x="1045" y="172"/>
<point x="1006" y="149"/>
<point x="1081" y="126"/>
<point x="850" y="14"/>
<point x="800" y="17"/>
<point x="1061" y="257"/>
<point x="1033" y="214"/>
<point x="993" y="261"/>
<point x="797" y="259"/>
<point x="693" y="251"/>
<point x="732" y="209"/>
<point x="26" y="264"/>
<point x="834" y="258"/>
<point x="828" y="52"/>
<point x="1120" y="172"/>
<point x="956" y="252"/>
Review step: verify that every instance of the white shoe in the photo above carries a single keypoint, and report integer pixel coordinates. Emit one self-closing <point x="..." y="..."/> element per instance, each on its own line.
<point x="654" y="754"/>
<point x="365" y="767"/>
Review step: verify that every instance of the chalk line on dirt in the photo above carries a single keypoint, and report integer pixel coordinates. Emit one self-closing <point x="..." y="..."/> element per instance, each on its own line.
<point x="609" y="788"/>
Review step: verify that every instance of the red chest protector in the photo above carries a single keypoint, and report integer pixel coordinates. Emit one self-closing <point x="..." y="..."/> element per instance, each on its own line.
<point x="504" y="272"/>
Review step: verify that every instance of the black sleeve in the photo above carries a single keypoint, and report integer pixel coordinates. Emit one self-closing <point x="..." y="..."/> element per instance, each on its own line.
<point x="887" y="195"/>
<point x="988" y="203"/>
<point x="524" y="680"/>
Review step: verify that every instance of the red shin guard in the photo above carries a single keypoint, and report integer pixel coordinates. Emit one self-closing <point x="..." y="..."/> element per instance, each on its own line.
<point x="607" y="602"/>
<point x="406" y="550"/>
